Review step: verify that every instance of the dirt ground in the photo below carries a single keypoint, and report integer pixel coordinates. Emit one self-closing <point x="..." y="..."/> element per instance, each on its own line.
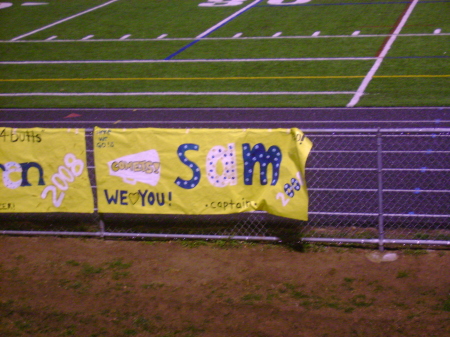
<point x="90" y="287"/>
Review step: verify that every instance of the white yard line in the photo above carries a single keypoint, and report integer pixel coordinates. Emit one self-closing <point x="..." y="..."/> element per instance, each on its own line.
<point x="194" y="61"/>
<point x="231" y="17"/>
<point x="362" y="88"/>
<point x="238" y="35"/>
<point x="63" y="20"/>
<point x="218" y="93"/>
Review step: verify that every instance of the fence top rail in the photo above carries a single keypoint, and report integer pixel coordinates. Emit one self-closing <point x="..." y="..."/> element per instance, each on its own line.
<point x="373" y="130"/>
<point x="335" y="130"/>
<point x="376" y="130"/>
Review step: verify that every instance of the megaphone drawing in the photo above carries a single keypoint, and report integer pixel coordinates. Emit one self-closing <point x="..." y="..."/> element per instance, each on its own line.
<point x="144" y="167"/>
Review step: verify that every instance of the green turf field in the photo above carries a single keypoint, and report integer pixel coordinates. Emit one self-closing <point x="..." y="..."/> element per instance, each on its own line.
<point x="224" y="53"/>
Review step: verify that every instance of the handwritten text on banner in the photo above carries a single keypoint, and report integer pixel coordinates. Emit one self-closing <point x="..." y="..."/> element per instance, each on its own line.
<point x="201" y="171"/>
<point x="44" y="170"/>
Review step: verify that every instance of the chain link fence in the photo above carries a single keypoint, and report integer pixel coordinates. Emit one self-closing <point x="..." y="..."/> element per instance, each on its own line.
<point x="366" y="186"/>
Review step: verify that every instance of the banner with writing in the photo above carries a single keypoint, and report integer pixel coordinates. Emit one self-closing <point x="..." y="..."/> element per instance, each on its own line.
<point x="44" y="170"/>
<point x="202" y="171"/>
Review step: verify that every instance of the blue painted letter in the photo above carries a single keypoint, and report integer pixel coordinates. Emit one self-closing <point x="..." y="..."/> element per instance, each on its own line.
<point x="259" y="154"/>
<point x="188" y="184"/>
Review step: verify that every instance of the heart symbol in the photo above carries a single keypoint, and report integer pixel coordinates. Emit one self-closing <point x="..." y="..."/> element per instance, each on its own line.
<point x="134" y="197"/>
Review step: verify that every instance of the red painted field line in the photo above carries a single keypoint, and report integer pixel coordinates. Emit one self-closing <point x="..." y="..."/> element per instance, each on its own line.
<point x="399" y="19"/>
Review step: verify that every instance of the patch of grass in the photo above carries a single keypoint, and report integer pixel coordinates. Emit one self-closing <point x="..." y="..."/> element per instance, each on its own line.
<point x="415" y="252"/>
<point x="193" y="243"/>
<point x="70" y="331"/>
<point x="313" y="248"/>
<point x="446" y="304"/>
<point x="443" y="237"/>
<point x="119" y="264"/>
<point x="125" y="288"/>
<point x="421" y="236"/>
<point x="271" y="297"/>
<point x="251" y="297"/>
<point x="6" y="307"/>
<point x="361" y="301"/>
<point x="72" y="263"/>
<point x="348" y="283"/>
<point x="290" y="286"/>
<point x="23" y="325"/>
<point x="333" y="305"/>
<point x="293" y="292"/>
<point x="117" y="275"/>
<point x="401" y="305"/>
<point x="88" y="270"/>
<point x="377" y="286"/>
<point x="225" y="244"/>
<point x="298" y="294"/>
<point x="403" y="274"/>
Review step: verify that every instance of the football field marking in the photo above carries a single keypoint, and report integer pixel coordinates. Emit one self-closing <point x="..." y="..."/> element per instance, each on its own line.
<point x="238" y="35"/>
<point x="213" y="28"/>
<point x="211" y="78"/>
<point x="63" y="20"/>
<point x="181" y="78"/>
<point x="181" y="93"/>
<point x="362" y="88"/>
<point x="35" y="3"/>
<point x="228" y="19"/>
<point x="196" y="60"/>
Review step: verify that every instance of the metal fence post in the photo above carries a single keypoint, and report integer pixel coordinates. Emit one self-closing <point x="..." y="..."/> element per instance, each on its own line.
<point x="380" y="191"/>
<point x="102" y="227"/>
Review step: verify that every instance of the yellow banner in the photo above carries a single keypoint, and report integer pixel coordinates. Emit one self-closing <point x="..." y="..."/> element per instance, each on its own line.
<point x="44" y="170"/>
<point x="202" y="171"/>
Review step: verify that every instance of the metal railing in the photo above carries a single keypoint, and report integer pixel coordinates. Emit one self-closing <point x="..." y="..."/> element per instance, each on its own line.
<point x="366" y="186"/>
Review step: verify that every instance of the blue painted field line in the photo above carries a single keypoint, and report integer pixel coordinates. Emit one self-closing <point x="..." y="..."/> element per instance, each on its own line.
<point x="181" y="50"/>
<point x="214" y="28"/>
<point x="356" y="3"/>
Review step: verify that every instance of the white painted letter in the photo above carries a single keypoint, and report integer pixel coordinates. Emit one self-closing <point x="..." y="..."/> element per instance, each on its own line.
<point x="221" y="3"/>
<point x="228" y="160"/>
<point x="12" y="167"/>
